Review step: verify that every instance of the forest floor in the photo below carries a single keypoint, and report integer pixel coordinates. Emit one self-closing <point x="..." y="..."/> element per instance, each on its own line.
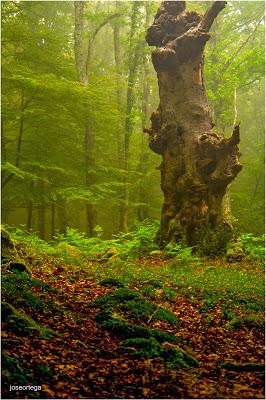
<point x="213" y="309"/>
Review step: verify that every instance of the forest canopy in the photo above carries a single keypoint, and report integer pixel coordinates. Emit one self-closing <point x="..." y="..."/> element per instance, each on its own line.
<point x="78" y="88"/>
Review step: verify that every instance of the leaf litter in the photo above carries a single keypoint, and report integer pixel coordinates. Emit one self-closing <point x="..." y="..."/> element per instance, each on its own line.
<point x="84" y="360"/>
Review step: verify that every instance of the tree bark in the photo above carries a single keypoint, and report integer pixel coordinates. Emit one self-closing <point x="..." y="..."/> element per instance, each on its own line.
<point x="197" y="164"/>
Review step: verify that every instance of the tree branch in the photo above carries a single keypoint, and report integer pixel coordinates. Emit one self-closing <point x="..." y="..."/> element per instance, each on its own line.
<point x="90" y="43"/>
<point x="211" y="14"/>
<point x="229" y="62"/>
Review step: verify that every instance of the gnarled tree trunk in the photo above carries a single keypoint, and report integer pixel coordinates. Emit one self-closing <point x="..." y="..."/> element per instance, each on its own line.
<point x="197" y="164"/>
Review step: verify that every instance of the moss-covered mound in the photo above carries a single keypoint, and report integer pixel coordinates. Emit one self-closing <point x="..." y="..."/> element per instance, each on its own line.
<point x="23" y="291"/>
<point x="12" y="371"/>
<point x="172" y="354"/>
<point x="131" y="304"/>
<point x="128" y="330"/>
<point x="122" y="306"/>
<point x="19" y="323"/>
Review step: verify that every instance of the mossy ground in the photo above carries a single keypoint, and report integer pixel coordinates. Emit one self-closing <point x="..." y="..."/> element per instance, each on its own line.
<point x="128" y="328"/>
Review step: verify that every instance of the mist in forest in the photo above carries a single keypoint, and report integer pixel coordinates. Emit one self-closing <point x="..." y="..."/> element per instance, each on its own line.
<point x="78" y="89"/>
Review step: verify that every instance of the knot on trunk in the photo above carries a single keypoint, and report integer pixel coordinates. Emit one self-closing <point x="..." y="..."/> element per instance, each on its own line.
<point x="164" y="59"/>
<point x="156" y="139"/>
<point x="219" y="158"/>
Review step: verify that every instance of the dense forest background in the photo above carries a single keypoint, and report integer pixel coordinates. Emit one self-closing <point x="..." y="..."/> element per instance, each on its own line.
<point x="77" y="92"/>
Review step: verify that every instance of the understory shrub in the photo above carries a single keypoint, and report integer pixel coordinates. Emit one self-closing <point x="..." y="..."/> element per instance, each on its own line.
<point x="253" y="246"/>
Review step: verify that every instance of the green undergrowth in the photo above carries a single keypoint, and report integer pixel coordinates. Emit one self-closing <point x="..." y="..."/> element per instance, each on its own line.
<point x="74" y="246"/>
<point x="161" y="277"/>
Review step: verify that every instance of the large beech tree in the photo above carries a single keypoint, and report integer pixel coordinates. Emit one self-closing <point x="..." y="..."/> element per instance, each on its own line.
<point x="198" y="163"/>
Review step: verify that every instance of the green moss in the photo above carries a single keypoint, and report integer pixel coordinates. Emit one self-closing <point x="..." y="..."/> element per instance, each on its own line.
<point x="148" y="348"/>
<point x="148" y="291"/>
<point x="18" y="289"/>
<point x="235" y="252"/>
<point x="128" y="330"/>
<point x="138" y="309"/>
<point x="43" y="371"/>
<point x="21" y="324"/>
<point x="12" y="372"/>
<point x="115" y="298"/>
<point x="111" y="282"/>
<point x="250" y="322"/>
<point x="177" y="357"/>
<point x="165" y="315"/>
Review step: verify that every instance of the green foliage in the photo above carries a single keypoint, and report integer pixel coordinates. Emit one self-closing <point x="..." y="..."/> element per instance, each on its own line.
<point x="182" y="254"/>
<point x="253" y="246"/>
<point x="124" y="245"/>
<point x="36" y="245"/>
<point x="138" y="242"/>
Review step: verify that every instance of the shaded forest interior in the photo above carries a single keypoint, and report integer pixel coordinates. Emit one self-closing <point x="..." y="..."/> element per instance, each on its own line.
<point x="126" y="272"/>
<point x="74" y="106"/>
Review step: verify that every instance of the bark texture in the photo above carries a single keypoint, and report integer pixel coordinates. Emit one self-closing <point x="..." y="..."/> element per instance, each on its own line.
<point x="197" y="164"/>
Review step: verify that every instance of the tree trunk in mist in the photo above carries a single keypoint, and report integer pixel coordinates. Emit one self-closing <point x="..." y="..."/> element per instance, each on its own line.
<point x="42" y="221"/>
<point x="134" y="55"/>
<point x="62" y="216"/>
<point x="52" y="220"/>
<point x="143" y="209"/>
<point x="82" y="49"/>
<point x="30" y="207"/>
<point x="197" y="164"/>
